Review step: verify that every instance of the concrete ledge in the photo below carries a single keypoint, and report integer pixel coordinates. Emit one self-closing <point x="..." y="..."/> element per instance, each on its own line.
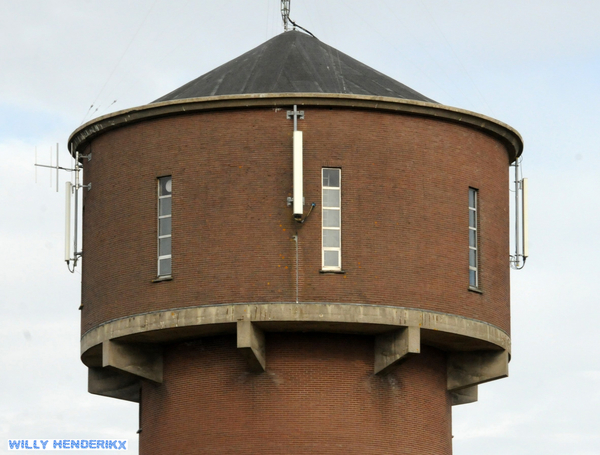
<point x="509" y="136"/>
<point x="443" y="331"/>
<point x="393" y="348"/>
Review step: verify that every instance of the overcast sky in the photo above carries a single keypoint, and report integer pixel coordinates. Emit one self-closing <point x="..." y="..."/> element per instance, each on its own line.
<point x="532" y="64"/>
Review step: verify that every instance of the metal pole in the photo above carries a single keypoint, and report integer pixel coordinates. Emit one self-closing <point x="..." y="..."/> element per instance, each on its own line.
<point x="76" y="205"/>
<point x="517" y="246"/>
<point x="57" y="167"/>
<point x="297" y="274"/>
<point x="295" y="117"/>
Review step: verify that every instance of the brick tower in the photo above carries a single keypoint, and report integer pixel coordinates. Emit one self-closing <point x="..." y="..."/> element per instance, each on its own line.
<point x="295" y="253"/>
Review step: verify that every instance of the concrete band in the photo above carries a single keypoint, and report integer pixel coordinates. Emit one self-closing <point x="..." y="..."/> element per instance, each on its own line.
<point x="501" y="131"/>
<point x="444" y="331"/>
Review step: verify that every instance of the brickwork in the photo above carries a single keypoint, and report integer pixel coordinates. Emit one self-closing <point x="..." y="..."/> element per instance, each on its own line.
<point x="405" y="181"/>
<point x="318" y="396"/>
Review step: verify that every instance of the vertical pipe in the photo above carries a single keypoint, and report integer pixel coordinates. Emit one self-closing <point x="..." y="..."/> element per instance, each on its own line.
<point x="76" y="203"/>
<point x="297" y="264"/>
<point x="517" y="243"/>
<point x="295" y="117"/>
<point x="524" y="218"/>
<point x="57" y="167"/>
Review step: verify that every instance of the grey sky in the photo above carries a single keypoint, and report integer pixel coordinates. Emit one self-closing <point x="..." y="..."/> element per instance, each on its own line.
<point x="534" y="65"/>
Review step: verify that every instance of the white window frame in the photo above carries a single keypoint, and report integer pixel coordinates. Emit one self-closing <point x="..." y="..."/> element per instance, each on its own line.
<point x="164" y="271"/>
<point x="473" y="240"/>
<point x="327" y="250"/>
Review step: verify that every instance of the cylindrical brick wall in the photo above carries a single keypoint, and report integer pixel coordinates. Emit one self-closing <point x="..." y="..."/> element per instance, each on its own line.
<point x="405" y="182"/>
<point x="319" y="395"/>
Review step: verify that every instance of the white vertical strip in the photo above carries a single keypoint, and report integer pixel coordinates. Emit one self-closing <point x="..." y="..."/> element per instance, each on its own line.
<point x="298" y="177"/>
<point x="524" y="218"/>
<point x="68" y="186"/>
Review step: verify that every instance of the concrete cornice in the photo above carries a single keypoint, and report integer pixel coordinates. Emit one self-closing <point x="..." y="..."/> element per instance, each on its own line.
<point x="501" y="131"/>
<point x="444" y="331"/>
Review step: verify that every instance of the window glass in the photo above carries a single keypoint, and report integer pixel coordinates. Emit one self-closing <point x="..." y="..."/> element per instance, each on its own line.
<point x="164" y="246"/>
<point x="331" y="178"/>
<point x="473" y="278"/>
<point x="331" y="218"/>
<point x="164" y="226"/>
<point x="331" y="259"/>
<point x="473" y="257"/>
<point x="164" y="206"/>
<point x="165" y="186"/>
<point x="331" y="238"/>
<point x="472" y="237"/>
<point x="164" y="267"/>
<point x="331" y="198"/>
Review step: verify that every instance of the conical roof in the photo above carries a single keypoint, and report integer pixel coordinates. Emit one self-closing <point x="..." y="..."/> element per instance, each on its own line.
<point x="294" y="62"/>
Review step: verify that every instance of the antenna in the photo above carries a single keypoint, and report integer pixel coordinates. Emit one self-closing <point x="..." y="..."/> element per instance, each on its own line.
<point x="297" y="201"/>
<point x="298" y="175"/>
<point x="517" y="261"/>
<point x="71" y="256"/>
<point x="285" y="14"/>
<point x="57" y="167"/>
<point x="68" y="191"/>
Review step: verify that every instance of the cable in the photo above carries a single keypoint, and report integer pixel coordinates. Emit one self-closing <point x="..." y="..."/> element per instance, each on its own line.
<point x="302" y="28"/>
<point x="456" y="57"/>
<point x="121" y="58"/>
<point x="312" y="206"/>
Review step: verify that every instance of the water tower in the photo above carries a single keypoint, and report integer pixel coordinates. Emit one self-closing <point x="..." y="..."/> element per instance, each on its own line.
<point x="295" y="253"/>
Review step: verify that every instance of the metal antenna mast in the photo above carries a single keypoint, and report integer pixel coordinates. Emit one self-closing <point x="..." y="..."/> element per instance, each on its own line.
<point x="285" y="14"/>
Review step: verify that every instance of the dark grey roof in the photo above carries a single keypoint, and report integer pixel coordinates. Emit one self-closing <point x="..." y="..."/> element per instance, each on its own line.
<point x="293" y="62"/>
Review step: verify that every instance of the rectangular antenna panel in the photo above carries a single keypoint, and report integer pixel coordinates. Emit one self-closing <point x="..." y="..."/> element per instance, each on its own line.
<point x="68" y="186"/>
<point x="298" y="177"/>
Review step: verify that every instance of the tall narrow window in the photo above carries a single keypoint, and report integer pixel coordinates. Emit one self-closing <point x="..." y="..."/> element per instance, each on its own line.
<point x="473" y="256"/>
<point x="332" y="234"/>
<point x="164" y="226"/>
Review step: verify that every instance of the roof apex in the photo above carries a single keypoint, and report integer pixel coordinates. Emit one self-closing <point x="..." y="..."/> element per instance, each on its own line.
<point x="293" y="62"/>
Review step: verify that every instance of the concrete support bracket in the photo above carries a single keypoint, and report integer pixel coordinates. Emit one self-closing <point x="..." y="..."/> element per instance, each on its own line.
<point x="145" y="362"/>
<point x="112" y="383"/>
<point x="468" y="369"/>
<point x="394" y="347"/>
<point x="251" y="343"/>
<point x="464" y="396"/>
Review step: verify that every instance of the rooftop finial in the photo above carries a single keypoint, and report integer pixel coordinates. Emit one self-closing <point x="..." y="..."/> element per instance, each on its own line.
<point x="285" y="14"/>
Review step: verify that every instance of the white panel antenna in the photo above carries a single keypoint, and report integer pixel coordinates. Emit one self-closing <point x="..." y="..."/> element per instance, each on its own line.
<point x="71" y="256"/>
<point x="68" y="190"/>
<point x="298" y="176"/>
<point x="517" y="261"/>
<point x="297" y="201"/>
